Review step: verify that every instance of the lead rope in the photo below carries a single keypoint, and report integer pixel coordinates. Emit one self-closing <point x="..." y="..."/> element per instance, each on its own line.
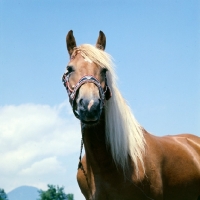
<point x="80" y="166"/>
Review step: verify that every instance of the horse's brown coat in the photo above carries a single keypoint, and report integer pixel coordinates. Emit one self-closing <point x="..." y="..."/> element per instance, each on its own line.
<point x="172" y="163"/>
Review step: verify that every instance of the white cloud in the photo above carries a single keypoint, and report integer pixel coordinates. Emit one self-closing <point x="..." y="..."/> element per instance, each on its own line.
<point x="45" y="166"/>
<point x="36" y="144"/>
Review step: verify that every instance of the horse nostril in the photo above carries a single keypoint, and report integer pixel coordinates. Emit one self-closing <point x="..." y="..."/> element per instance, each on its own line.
<point x="81" y="102"/>
<point x="90" y="107"/>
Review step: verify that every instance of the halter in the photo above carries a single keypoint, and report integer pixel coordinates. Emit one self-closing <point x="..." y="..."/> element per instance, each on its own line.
<point x="105" y="93"/>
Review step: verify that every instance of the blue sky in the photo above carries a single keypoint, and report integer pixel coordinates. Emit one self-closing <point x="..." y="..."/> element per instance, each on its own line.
<point x="156" y="48"/>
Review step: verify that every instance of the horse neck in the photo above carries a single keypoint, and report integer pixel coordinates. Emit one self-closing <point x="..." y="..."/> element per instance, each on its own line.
<point x="97" y="152"/>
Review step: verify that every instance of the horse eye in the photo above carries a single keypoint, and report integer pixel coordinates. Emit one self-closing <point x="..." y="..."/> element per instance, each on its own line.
<point x="70" y="69"/>
<point x="104" y="70"/>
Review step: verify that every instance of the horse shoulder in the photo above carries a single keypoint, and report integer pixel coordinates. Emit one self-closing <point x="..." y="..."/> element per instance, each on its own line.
<point x="153" y="166"/>
<point x="178" y="162"/>
<point x="181" y="154"/>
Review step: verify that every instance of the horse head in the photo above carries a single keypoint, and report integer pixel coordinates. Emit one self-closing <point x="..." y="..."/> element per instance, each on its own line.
<point x="85" y="80"/>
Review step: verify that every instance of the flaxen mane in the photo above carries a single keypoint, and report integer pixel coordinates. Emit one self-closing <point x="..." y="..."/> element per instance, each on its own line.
<point x="124" y="134"/>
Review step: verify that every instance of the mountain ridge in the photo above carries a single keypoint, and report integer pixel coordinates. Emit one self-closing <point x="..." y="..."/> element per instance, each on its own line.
<point x="23" y="193"/>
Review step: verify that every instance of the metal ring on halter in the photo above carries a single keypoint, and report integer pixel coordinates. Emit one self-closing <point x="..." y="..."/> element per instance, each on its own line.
<point x="85" y="79"/>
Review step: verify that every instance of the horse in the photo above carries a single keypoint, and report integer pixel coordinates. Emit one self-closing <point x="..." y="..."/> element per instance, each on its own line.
<point x="122" y="160"/>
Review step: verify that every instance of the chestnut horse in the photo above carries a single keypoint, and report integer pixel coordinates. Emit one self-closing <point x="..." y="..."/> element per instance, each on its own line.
<point x="122" y="160"/>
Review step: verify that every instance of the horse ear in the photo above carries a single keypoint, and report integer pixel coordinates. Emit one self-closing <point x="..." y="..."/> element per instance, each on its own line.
<point x="71" y="42"/>
<point x="101" y="41"/>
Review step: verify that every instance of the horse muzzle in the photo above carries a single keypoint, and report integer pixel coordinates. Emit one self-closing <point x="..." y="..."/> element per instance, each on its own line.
<point x="89" y="110"/>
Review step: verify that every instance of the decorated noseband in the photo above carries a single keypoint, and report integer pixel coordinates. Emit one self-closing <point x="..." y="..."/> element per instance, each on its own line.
<point x="105" y="93"/>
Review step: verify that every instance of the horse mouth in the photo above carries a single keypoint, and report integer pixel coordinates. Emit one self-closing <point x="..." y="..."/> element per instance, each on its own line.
<point x="90" y="122"/>
<point x="89" y="119"/>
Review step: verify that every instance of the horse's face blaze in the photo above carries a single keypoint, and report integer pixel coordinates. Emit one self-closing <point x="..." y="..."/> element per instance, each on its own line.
<point x="87" y="100"/>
